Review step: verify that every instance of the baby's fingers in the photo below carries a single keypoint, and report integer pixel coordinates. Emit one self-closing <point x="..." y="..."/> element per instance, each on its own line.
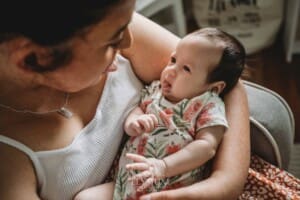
<point x="141" y="176"/>
<point x="137" y="128"/>
<point x="154" y="120"/>
<point x="136" y="157"/>
<point x="146" y="124"/>
<point x="148" y="183"/>
<point x="137" y="166"/>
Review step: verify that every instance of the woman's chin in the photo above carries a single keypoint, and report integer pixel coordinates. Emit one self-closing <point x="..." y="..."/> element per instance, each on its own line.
<point x="83" y="85"/>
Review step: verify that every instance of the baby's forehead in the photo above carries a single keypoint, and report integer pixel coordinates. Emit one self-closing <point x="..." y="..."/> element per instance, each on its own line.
<point x="200" y="43"/>
<point x="200" y="50"/>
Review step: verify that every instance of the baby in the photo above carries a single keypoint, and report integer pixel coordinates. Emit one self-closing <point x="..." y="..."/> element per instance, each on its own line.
<point x="181" y="118"/>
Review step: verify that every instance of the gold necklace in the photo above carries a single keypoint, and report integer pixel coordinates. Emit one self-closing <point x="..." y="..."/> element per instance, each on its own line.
<point x="63" y="110"/>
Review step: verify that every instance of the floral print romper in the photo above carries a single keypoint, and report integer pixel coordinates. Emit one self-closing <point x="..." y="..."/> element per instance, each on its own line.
<point x="177" y="125"/>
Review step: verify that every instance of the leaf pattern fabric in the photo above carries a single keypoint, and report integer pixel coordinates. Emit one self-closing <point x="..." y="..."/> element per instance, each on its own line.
<point x="177" y="126"/>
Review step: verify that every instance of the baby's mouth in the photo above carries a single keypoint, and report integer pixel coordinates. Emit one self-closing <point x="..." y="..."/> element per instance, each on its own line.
<point x="166" y="87"/>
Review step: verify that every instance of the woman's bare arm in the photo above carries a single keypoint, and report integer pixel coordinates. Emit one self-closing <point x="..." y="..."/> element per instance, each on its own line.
<point x="230" y="167"/>
<point x="103" y="191"/>
<point x="17" y="177"/>
<point x="233" y="158"/>
<point x="151" y="48"/>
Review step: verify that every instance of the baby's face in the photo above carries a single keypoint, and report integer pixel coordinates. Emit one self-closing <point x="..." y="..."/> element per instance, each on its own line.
<point x="185" y="76"/>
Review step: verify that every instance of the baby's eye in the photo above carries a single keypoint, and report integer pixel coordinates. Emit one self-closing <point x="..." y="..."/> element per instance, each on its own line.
<point x="173" y="60"/>
<point x="186" y="68"/>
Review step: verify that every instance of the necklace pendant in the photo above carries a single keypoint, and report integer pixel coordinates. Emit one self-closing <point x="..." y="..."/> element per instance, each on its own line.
<point x="65" y="112"/>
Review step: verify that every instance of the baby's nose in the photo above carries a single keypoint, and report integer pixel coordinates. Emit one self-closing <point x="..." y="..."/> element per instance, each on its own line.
<point x="171" y="74"/>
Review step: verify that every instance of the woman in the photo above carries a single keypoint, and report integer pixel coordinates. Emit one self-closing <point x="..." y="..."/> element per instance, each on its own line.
<point x="63" y="101"/>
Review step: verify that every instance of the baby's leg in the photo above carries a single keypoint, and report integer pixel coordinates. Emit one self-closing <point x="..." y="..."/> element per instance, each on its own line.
<point x="103" y="191"/>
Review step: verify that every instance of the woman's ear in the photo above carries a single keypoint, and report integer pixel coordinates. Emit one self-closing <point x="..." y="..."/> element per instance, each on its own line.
<point x="18" y="50"/>
<point x="27" y="56"/>
<point x="217" y="87"/>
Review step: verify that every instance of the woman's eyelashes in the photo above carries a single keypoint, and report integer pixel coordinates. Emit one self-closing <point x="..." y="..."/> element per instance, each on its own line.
<point x="116" y="43"/>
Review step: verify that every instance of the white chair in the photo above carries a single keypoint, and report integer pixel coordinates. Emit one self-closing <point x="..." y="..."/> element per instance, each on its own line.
<point x="149" y="8"/>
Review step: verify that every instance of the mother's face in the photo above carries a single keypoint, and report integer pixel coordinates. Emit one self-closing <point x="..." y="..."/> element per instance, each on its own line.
<point x="93" y="54"/>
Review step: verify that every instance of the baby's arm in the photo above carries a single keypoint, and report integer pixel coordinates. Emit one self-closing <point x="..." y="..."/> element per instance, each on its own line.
<point x="103" y="191"/>
<point x="190" y="157"/>
<point x="196" y="153"/>
<point x="138" y="122"/>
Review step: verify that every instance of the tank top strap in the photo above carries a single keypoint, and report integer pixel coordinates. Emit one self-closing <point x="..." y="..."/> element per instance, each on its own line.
<point x="27" y="151"/>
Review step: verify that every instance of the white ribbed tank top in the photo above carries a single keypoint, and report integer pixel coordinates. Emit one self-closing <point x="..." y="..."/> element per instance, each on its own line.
<point x="61" y="173"/>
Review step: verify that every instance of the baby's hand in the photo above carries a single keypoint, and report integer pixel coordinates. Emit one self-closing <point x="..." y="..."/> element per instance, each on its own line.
<point x="152" y="170"/>
<point x="141" y="124"/>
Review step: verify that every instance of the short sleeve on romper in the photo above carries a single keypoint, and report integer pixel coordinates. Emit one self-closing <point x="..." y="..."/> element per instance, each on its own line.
<point x="212" y="113"/>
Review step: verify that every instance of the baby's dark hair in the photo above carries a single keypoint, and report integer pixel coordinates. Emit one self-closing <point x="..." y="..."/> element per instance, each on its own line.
<point x="232" y="61"/>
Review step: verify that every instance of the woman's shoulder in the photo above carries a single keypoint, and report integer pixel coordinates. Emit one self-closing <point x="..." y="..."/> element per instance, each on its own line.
<point x="16" y="174"/>
<point x="148" y="53"/>
<point x="125" y="75"/>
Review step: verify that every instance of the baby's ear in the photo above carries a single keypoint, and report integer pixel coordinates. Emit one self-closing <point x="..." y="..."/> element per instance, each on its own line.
<point x="217" y="87"/>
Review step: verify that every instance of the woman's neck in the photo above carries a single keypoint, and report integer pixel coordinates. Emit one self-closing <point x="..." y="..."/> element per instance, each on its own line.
<point x="44" y="100"/>
<point x="34" y="99"/>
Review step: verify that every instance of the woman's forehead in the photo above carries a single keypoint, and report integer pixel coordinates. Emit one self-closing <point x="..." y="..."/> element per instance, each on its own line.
<point x="115" y="21"/>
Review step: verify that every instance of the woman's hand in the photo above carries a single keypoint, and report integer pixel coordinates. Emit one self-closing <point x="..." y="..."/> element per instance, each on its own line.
<point x="152" y="170"/>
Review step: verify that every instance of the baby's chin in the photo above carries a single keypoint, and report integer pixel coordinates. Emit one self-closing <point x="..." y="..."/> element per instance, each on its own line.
<point x="170" y="98"/>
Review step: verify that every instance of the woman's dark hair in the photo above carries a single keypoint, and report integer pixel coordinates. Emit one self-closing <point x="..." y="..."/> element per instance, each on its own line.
<point x="232" y="61"/>
<point x="49" y="22"/>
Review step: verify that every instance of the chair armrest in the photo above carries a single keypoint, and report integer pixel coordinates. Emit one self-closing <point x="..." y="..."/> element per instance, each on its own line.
<point x="272" y="125"/>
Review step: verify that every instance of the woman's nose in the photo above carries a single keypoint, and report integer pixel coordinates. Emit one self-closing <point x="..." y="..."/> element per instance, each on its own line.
<point x="127" y="40"/>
